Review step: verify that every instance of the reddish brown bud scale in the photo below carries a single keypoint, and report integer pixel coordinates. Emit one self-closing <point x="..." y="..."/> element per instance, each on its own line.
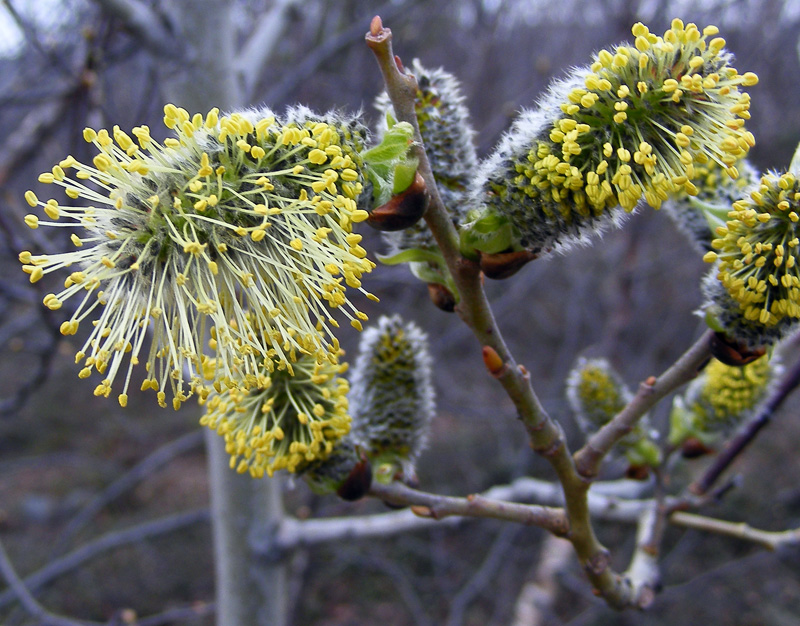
<point x="358" y="482"/>
<point x="637" y="472"/>
<point x="376" y="25"/>
<point x="403" y="210"/>
<point x="421" y="511"/>
<point x="733" y="353"/>
<point x="441" y="297"/>
<point x="693" y="448"/>
<point x="493" y="362"/>
<point x="505" y="264"/>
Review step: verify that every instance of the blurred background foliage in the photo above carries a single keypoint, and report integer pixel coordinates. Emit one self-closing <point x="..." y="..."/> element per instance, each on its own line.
<point x="67" y="64"/>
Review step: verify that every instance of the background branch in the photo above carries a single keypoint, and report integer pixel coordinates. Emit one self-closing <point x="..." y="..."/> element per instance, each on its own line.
<point x="28" y="602"/>
<point x="771" y="540"/>
<point x="104" y="543"/>
<point x="251" y="60"/>
<point x="128" y="481"/>
<point x="146" y="25"/>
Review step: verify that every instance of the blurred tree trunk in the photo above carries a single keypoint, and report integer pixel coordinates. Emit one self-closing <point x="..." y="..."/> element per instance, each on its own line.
<point x="249" y="591"/>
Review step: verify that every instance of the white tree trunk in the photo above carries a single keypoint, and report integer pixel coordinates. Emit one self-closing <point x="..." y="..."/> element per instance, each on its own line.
<point x="249" y="590"/>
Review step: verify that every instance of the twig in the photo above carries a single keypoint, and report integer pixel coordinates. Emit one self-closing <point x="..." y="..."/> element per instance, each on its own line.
<point x="737" y="445"/>
<point x="403" y="583"/>
<point x="53" y="58"/>
<point x="325" y="52"/>
<point x="545" y="435"/>
<point x="179" y="614"/>
<point x="104" y="543"/>
<point x="28" y="602"/>
<point x="146" y="25"/>
<point x="438" y="507"/>
<point x="25" y="139"/>
<point x="612" y="501"/>
<point x="129" y="480"/>
<point x="588" y="458"/>
<point x="771" y="540"/>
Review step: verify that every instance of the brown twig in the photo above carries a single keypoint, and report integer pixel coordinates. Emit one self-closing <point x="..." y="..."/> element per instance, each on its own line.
<point x="737" y="445"/>
<point x="432" y="506"/>
<point x="545" y="435"/>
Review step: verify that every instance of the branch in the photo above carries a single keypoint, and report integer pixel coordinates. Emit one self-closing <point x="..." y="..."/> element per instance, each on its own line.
<point x="438" y="507"/>
<point x="179" y="614"/>
<point x="612" y="500"/>
<point x="28" y="602"/>
<point x="737" y="445"/>
<point x="104" y="543"/>
<point x="326" y="51"/>
<point x="483" y="576"/>
<point x="249" y="63"/>
<point x="588" y="458"/>
<point x="643" y="573"/>
<point x="538" y="596"/>
<point x="146" y="25"/>
<point x="128" y="481"/>
<point x="545" y="435"/>
<point x="771" y="540"/>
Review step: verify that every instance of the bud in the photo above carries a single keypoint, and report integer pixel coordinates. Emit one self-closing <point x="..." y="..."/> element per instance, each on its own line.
<point x="596" y="393"/>
<point x="446" y="131"/>
<point x="758" y="251"/>
<point x="284" y="420"/>
<point x="346" y="472"/>
<point x="612" y="135"/>
<point x="392" y="396"/>
<point x="699" y="216"/>
<point x="720" y="399"/>
<point x="725" y="315"/>
<point x="402" y="210"/>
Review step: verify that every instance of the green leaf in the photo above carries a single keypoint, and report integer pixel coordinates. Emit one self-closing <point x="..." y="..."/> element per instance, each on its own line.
<point x="715" y="214"/>
<point x="395" y="143"/>
<point x="490" y="234"/>
<point x="412" y="255"/>
<point x="404" y="173"/>
<point x="712" y="322"/>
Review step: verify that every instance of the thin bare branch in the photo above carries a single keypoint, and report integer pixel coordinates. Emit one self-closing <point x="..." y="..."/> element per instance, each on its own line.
<point x="482" y="577"/>
<point x="255" y="53"/>
<point x="26" y="137"/>
<point x="771" y="540"/>
<point x="179" y="614"/>
<point x="148" y="26"/>
<point x="146" y="467"/>
<point x="103" y="544"/>
<point x="28" y="602"/>
<point x="438" y="507"/>
<point x="612" y="500"/>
